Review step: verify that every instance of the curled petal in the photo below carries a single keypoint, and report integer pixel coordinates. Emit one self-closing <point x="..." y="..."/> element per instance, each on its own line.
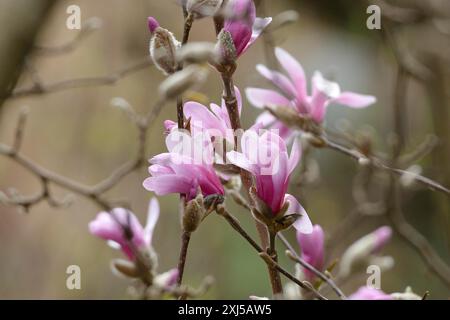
<point x="303" y="224"/>
<point x="294" y="70"/>
<point x="355" y="100"/>
<point x="152" y="219"/>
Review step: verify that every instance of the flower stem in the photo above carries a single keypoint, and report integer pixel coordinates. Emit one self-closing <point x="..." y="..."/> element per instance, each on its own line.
<point x="275" y="279"/>
<point x="231" y="103"/>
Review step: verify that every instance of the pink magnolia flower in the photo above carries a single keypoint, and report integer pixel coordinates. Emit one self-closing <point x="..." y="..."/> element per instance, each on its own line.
<point x="369" y="293"/>
<point x="186" y="169"/>
<point x="111" y="227"/>
<point x="312" y="249"/>
<point x="213" y="121"/>
<point x="244" y="26"/>
<point x="294" y="93"/>
<point x="266" y="157"/>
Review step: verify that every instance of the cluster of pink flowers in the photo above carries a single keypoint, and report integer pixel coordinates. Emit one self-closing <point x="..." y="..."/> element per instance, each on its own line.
<point x="188" y="166"/>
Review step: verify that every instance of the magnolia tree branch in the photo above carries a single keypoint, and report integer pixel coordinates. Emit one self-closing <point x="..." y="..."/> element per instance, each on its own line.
<point x="39" y="88"/>
<point x="273" y="264"/>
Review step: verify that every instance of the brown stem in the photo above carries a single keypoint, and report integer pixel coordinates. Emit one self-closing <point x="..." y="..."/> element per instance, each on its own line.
<point x="271" y="263"/>
<point x="233" y="112"/>
<point x="275" y="279"/>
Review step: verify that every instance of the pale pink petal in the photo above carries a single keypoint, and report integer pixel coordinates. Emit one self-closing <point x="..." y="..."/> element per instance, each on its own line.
<point x="201" y="116"/>
<point x="295" y="156"/>
<point x="258" y="27"/>
<point x="152" y="219"/>
<point x="303" y="224"/>
<point x="239" y="160"/>
<point x="261" y="98"/>
<point x="278" y="79"/>
<point x="167" y="184"/>
<point x="294" y="70"/>
<point x="355" y="100"/>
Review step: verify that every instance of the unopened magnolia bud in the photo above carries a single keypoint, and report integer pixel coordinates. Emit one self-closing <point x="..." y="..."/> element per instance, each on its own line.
<point x="225" y="49"/>
<point x="203" y="8"/>
<point x="126" y="268"/>
<point x="183" y="80"/>
<point x="163" y="47"/>
<point x="197" y="52"/>
<point x="193" y="214"/>
<point x="361" y="251"/>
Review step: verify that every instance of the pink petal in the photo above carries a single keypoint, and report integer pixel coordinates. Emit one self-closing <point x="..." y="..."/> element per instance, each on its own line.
<point x="303" y="224"/>
<point x="295" y="156"/>
<point x="278" y="79"/>
<point x="294" y="70"/>
<point x="152" y="219"/>
<point x="355" y="100"/>
<point x="167" y="184"/>
<point x="201" y="116"/>
<point x="258" y="27"/>
<point x="239" y="160"/>
<point x="261" y="98"/>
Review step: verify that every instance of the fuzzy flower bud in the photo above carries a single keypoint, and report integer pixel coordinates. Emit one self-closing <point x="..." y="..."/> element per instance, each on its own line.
<point x="193" y="214"/>
<point x="163" y="47"/>
<point x="225" y="49"/>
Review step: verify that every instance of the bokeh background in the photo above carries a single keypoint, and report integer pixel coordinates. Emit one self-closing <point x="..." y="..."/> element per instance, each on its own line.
<point x="78" y="134"/>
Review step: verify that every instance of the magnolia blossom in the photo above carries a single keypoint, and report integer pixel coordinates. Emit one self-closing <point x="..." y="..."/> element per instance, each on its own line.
<point x="213" y="121"/>
<point x="266" y="157"/>
<point x="111" y="227"/>
<point x="294" y="93"/>
<point x="312" y="249"/>
<point x="369" y="293"/>
<point x="244" y="26"/>
<point x="186" y="169"/>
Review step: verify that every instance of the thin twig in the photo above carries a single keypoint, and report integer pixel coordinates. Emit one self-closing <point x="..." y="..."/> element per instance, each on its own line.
<point x="234" y="223"/>
<point x="111" y="79"/>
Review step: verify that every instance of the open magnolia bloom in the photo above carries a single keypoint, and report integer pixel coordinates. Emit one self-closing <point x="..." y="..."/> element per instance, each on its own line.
<point x="266" y="157"/>
<point x="111" y="226"/>
<point x="243" y="25"/>
<point x="186" y="169"/>
<point x="214" y="121"/>
<point x="294" y="93"/>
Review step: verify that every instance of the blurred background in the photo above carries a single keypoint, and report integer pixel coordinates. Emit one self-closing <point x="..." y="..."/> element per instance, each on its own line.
<point x="78" y="134"/>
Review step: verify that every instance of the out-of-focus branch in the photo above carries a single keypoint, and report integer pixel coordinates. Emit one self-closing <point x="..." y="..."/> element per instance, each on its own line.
<point x="21" y="20"/>
<point x="94" y="193"/>
<point x="39" y="88"/>
<point x="394" y="195"/>
<point x="87" y="28"/>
